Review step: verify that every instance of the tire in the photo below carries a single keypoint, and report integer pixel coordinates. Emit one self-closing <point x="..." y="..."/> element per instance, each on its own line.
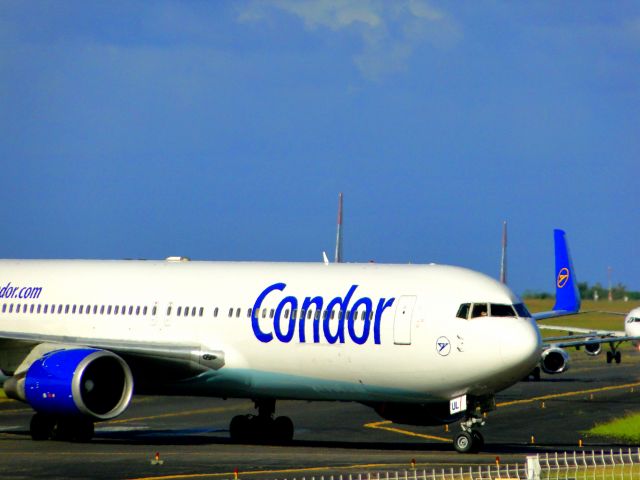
<point x="239" y="428"/>
<point x="463" y="443"/>
<point x="41" y="427"/>
<point x="283" y="429"/>
<point x="609" y="357"/>
<point x="478" y="441"/>
<point x="618" y="356"/>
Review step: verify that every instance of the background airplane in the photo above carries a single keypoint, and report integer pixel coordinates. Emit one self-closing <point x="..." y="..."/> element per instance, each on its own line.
<point x="592" y="340"/>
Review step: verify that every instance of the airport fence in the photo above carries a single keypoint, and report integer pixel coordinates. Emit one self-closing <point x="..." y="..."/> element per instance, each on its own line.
<point x="623" y="464"/>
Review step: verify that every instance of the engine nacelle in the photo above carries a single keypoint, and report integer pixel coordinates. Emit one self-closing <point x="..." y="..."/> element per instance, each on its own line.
<point x="554" y="360"/>
<point x="593" y="349"/>
<point x="420" y="414"/>
<point x="83" y="381"/>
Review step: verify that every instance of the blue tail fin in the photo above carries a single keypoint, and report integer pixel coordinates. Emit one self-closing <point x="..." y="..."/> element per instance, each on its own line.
<point x="567" y="294"/>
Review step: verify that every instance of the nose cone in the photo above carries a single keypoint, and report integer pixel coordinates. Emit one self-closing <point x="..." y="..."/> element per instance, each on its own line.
<point x="520" y="345"/>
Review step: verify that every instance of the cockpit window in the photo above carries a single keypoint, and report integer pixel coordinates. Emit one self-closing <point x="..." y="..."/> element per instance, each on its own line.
<point x="463" y="311"/>
<point x="633" y="319"/>
<point x="500" y="310"/>
<point x="522" y="310"/>
<point x="479" y="310"/>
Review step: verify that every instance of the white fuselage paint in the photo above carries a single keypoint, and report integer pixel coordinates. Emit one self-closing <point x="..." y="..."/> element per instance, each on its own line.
<point x="409" y="363"/>
<point x="632" y="324"/>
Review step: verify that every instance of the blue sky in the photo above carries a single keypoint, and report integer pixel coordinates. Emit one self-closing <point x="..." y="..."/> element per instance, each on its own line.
<point x="223" y="130"/>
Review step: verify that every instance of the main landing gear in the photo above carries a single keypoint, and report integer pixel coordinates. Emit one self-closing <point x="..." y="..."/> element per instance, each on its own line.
<point x="48" y="427"/>
<point x="263" y="428"/>
<point x="614" y="354"/>
<point x="470" y="440"/>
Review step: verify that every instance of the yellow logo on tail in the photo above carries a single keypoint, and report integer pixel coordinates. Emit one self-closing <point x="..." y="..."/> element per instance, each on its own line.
<point x="563" y="277"/>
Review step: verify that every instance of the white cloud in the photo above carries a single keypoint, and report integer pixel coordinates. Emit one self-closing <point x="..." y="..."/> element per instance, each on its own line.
<point x="389" y="31"/>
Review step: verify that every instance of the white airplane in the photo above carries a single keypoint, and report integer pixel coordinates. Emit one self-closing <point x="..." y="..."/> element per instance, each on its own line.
<point x="420" y="344"/>
<point x="592" y="340"/>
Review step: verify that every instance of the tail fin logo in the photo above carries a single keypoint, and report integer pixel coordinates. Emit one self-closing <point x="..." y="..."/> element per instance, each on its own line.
<point x="563" y="277"/>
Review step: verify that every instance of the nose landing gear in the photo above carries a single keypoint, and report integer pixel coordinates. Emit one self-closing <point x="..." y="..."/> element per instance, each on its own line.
<point x="470" y="440"/>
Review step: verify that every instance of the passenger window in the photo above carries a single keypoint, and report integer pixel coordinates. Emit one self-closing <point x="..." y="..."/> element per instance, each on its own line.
<point x="479" y="310"/>
<point x="169" y="310"/>
<point x="109" y="310"/>
<point x="66" y="309"/>
<point x="137" y="310"/>
<point x="500" y="310"/>
<point x="88" y="310"/>
<point x="201" y="311"/>
<point x="130" y="309"/>
<point x="238" y="312"/>
<point x="81" y="309"/>
<point x="317" y="315"/>
<point x="294" y="313"/>
<point x="45" y="310"/>
<point x="124" y="310"/>
<point x="193" y="312"/>
<point x="73" y="309"/>
<point x="272" y="313"/>
<point x="231" y="312"/>
<point x="59" y="309"/>
<point x="11" y="308"/>
<point x="463" y="311"/>
<point x="102" y="310"/>
<point x="309" y="313"/>
<point x="286" y="314"/>
<point x="264" y="313"/>
<point x="179" y="311"/>
<point x="18" y="308"/>
<point x="249" y="313"/>
<point x="116" y="309"/>
<point x="215" y="312"/>
<point x="144" y="310"/>
<point x="31" y="308"/>
<point x="95" y="309"/>
<point x="332" y="314"/>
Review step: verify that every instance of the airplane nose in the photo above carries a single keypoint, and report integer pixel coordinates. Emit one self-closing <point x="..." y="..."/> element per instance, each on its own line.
<point x="520" y="344"/>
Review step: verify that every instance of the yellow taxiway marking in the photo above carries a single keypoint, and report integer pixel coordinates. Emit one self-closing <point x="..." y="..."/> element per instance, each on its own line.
<point x="201" y="411"/>
<point x="567" y="394"/>
<point x="383" y="426"/>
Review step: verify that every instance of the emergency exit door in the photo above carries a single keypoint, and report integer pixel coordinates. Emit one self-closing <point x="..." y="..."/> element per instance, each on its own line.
<point x="403" y="320"/>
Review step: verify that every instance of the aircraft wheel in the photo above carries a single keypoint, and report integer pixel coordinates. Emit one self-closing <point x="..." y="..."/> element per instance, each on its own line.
<point x="41" y="427"/>
<point x="478" y="441"/>
<point x="463" y="443"/>
<point x="240" y="428"/>
<point x="536" y="374"/>
<point x="283" y="429"/>
<point x="618" y="356"/>
<point x="609" y="357"/>
<point x="82" y="430"/>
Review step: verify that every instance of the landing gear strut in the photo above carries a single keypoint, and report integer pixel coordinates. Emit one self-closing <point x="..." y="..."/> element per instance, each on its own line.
<point x="262" y="427"/>
<point x="48" y="427"/>
<point x="614" y="354"/>
<point x="470" y="440"/>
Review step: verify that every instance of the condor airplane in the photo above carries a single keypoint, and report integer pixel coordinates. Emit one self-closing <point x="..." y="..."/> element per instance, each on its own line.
<point x="420" y="344"/>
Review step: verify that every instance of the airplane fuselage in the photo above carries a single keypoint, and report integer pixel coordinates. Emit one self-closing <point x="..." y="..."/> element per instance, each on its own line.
<point x="361" y="332"/>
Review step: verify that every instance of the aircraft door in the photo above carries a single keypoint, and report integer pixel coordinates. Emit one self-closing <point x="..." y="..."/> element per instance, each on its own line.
<point x="402" y="322"/>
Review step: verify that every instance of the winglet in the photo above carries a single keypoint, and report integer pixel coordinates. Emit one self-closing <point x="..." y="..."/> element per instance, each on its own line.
<point x="567" y="294"/>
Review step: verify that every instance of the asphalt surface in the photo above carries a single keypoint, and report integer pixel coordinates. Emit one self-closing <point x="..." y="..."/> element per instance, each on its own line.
<point x="191" y="434"/>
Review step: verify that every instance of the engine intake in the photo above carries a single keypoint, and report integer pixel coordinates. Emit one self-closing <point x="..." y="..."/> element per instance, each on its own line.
<point x="554" y="360"/>
<point x="593" y="349"/>
<point x="83" y="381"/>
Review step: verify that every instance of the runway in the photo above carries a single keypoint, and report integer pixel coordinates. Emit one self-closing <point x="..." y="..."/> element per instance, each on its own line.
<point x="191" y="437"/>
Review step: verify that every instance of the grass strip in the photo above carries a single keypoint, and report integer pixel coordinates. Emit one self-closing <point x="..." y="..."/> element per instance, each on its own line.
<point x="626" y="428"/>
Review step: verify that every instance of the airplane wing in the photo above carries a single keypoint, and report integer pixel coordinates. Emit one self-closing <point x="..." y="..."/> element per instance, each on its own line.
<point x="188" y="359"/>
